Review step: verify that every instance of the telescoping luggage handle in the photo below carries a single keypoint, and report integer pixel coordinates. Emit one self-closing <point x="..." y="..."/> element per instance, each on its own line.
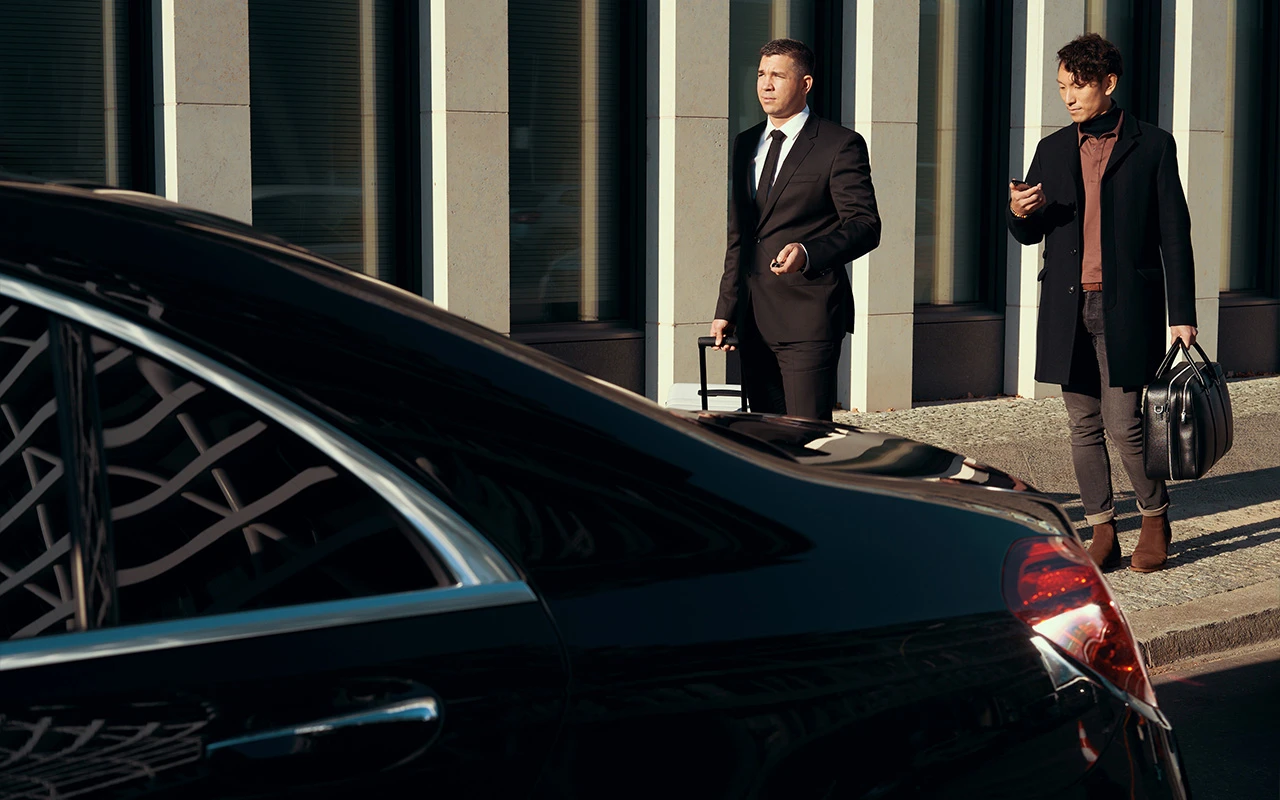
<point x="710" y="341"/>
<point x="1180" y="346"/>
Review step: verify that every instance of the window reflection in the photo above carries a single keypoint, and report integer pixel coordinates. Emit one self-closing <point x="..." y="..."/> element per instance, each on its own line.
<point x="949" y="154"/>
<point x="323" y="148"/>
<point x="1243" y="129"/>
<point x="65" y="91"/>
<point x="752" y="23"/>
<point x="567" y="145"/>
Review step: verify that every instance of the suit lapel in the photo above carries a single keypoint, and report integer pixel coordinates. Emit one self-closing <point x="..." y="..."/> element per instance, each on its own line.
<point x="801" y="148"/>
<point x="743" y="176"/>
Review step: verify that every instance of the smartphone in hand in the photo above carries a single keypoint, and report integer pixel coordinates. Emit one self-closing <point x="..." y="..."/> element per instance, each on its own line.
<point x="1020" y="184"/>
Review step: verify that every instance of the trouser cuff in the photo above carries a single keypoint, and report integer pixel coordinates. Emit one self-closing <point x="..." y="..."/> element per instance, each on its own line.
<point x="1154" y="512"/>
<point x="1101" y="517"/>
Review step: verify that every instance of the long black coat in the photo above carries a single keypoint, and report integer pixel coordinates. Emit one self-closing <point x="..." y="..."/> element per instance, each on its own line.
<point x="1146" y="246"/>
<point x="822" y="198"/>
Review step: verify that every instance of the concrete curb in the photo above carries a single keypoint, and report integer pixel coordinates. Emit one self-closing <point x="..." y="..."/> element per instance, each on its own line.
<point x="1209" y="625"/>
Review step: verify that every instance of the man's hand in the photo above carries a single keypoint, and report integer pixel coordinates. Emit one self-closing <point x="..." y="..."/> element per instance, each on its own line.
<point x="1186" y="333"/>
<point x="1024" y="199"/>
<point x="721" y="328"/>
<point x="790" y="259"/>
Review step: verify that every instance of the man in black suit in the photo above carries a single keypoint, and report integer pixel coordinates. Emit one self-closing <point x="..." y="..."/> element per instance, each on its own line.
<point x="803" y="206"/>
<point x="1104" y="195"/>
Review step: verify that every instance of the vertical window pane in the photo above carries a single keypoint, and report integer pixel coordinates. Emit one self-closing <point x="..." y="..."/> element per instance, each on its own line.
<point x="320" y="86"/>
<point x="1243" y="146"/>
<point x="568" y="158"/>
<point x="37" y="582"/>
<point x="65" y="90"/>
<point x="1113" y="20"/>
<point x="949" y="152"/>
<point x="752" y="23"/>
<point x="216" y="509"/>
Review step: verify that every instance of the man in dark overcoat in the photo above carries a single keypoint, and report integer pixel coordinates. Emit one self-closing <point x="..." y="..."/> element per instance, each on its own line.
<point x="1104" y="195"/>
<point x="802" y="207"/>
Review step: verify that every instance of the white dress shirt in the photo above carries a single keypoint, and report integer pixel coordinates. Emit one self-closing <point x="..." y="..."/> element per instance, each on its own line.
<point x="792" y="129"/>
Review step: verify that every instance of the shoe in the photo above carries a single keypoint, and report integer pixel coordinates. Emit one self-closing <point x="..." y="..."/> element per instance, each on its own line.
<point x="1104" y="549"/>
<point x="1153" y="544"/>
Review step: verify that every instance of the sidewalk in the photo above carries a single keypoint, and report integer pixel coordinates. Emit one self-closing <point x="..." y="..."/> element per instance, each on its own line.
<point x="1221" y="586"/>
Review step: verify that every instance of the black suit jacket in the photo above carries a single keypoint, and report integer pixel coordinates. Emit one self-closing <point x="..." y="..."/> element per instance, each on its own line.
<point x="823" y="198"/>
<point x="1146" y="246"/>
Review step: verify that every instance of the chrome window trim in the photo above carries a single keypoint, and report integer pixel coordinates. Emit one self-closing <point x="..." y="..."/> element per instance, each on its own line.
<point x="466" y="554"/>
<point x="194" y="631"/>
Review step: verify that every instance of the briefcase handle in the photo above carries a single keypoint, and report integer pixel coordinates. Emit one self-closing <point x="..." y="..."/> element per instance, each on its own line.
<point x="1180" y="346"/>
<point x="710" y="341"/>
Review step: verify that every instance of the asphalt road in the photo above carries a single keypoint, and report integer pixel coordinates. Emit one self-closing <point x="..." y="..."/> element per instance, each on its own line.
<point x="1225" y="712"/>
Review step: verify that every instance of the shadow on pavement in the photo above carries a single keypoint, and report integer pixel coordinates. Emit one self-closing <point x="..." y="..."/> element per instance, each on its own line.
<point x="1225" y="723"/>
<point x="1210" y="495"/>
<point x="1189" y="551"/>
<point x="1256" y="486"/>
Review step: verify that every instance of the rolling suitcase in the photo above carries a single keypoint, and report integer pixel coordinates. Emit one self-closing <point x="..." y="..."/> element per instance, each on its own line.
<point x="703" y="343"/>
<point x="1186" y="417"/>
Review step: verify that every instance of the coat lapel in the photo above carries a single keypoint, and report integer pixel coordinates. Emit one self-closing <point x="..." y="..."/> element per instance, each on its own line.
<point x="1126" y="141"/>
<point x="801" y="148"/>
<point x="1077" y="179"/>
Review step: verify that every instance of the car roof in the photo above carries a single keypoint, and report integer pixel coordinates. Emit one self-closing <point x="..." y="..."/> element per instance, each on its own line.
<point x="199" y="275"/>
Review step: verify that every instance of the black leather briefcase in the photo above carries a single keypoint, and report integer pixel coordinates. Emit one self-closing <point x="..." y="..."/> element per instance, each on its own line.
<point x="1186" y="417"/>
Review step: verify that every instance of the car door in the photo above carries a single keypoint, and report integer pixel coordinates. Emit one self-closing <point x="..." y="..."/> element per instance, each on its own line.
<point x="207" y="591"/>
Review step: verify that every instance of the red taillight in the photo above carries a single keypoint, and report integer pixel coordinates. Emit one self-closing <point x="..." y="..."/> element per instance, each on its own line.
<point x="1053" y="586"/>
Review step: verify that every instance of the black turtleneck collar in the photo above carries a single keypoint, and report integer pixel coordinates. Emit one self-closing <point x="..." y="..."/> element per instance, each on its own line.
<point x="1105" y="122"/>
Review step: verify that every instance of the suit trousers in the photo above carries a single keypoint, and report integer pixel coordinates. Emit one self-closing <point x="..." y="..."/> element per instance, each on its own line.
<point x="793" y="378"/>
<point x="1096" y="410"/>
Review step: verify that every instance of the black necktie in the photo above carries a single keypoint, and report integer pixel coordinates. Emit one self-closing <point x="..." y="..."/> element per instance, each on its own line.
<point x="770" y="167"/>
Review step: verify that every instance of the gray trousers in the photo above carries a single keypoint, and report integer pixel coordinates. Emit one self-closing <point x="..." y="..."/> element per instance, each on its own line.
<point x="1096" y="410"/>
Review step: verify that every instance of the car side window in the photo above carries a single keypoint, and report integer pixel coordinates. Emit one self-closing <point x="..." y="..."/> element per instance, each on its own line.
<point x="215" y="508"/>
<point x="36" y="590"/>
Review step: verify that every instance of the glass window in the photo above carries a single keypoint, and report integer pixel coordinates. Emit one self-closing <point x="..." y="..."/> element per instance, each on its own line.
<point x="36" y="594"/>
<point x="752" y="23"/>
<point x="1243" y="136"/>
<point x="323" y="131"/>
<point x="65" y="90"/>
<point x="215" y="509"/>
<point x="574" y="150"/>
<point x="1134" y="27"/>
<point x="950" y="152"/>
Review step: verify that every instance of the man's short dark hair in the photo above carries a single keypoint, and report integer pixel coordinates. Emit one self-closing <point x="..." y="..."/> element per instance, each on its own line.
<point x="1090" y="59"/>
<point x="798" y="51"/>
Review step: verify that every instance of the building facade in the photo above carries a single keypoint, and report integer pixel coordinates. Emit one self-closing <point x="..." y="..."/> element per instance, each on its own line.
<point x="558" y="170"/>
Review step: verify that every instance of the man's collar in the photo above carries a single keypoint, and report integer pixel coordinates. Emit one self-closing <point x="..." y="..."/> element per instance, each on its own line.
<point x="791" y="127"/>
<point x="1105" y="124"/>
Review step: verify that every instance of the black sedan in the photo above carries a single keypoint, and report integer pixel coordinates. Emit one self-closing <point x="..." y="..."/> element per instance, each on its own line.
<point x="271" y="528"/>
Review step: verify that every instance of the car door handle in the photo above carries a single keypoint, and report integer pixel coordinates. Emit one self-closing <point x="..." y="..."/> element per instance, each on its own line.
<point x="279" y="742"/>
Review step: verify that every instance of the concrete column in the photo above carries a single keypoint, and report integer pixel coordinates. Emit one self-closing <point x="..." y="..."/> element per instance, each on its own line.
<point x="202" y="104"/>
<point x="1194" y="80"/>
<point x="1040" y="28"/>
<point x="469" y="188"/>
<point x="688" y="141"/>
<point x="886" y="51"/>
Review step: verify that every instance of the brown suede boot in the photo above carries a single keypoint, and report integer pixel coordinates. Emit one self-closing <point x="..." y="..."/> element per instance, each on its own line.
<point x="1104" y="549"/>
<point x="1153" y="544"/>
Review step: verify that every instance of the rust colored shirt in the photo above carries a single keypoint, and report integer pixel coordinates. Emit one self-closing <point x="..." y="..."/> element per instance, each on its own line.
<point x="1095" y="152"/>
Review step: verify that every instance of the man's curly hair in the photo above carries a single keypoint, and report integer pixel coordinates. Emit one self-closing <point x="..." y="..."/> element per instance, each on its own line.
<point x="1090" y="59"/>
